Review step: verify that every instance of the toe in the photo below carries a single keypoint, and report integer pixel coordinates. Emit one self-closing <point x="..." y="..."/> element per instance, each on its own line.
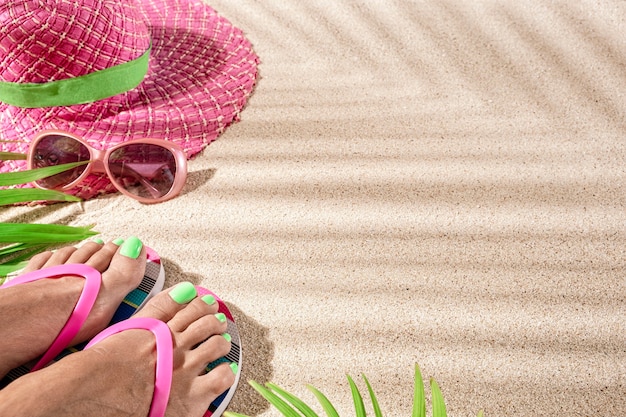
<point x="202" y="329"/>
<point x="195" y="310"/>
<point x="60" y="256"/>
<point x="216" y="381"/>
<point x="82" y="254"/>
<point x="167" y="303"/>
<point x="126" y="264"/>
<point x="211" y="349"/>
<point x="37" y="261"/>
<point x="102" y="258"/>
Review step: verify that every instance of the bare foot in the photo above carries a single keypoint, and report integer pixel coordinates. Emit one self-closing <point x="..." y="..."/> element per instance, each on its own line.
<point x="115" y="377"/>
<point x="34" y="313"/>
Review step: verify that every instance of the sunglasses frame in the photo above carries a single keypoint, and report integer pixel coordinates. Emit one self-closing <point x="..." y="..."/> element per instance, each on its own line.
<point x="97" y="163"/>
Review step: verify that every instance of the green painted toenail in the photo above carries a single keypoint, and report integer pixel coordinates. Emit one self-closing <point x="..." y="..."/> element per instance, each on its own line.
<point x="99" y="241"/>
<point x="131" y="248"/>
<point x="209" y="299"/>
<point x="118" y="241"/>
<point x="234" y="367"/>
<point x="221" y="317"/>
<point x="227" y="336"/>
<point x="183" y="292"/>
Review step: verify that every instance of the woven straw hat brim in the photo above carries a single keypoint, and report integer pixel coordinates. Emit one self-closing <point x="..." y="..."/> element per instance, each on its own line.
<point x="202" y="71"/>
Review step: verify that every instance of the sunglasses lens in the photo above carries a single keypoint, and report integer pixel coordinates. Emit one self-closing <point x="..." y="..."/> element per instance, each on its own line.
<point x="144" y="170"/>
<point x="56" y="150"/>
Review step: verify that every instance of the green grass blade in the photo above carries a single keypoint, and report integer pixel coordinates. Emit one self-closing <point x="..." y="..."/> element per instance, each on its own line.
<point x="282" y="406"/>
<point x="359" y="407"/>
<point x="481" y="413"/>
<point x="375" y="404"/>
<point x="30" y="175"/>
<point x="419" y="397"/>
<point x="439" y="406"/>
<point x="25" y="195"/>
<point x="11" y="156"/>
<point x="326" y="405"/>
<point x="43" y="233"/>
<point x="295" y="401"/>
<point x="231" y="414"/>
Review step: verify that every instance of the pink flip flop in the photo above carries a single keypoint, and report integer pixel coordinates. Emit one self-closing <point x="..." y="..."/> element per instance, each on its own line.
<point x="164" y="363"/>
<point x="151" y="284"/>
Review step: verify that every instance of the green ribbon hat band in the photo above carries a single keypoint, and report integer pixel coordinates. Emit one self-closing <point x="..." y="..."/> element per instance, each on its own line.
<point x="78" y="90"/>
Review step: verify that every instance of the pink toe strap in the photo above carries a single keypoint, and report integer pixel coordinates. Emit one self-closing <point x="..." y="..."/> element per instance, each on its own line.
<point x="164" y="363"/>
<point x="83" y="306"/>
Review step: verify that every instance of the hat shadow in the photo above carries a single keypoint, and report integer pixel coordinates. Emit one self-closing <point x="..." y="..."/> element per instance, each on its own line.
<point x="258" y="349"/>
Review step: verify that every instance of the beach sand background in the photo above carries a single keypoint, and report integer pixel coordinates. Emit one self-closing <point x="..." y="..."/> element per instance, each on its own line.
<point x="431" y="182"/>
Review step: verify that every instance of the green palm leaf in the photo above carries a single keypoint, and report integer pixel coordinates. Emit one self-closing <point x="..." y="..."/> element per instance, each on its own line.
<point x="17" y="255"/>
<point x="419" y="398"/>
<point x="295" y="401"/>
<point x="7" y="250"/>
<point x="275" y="400"/>
<point x="23" y="177"/>
<point x="43" y="233"/>
<point x="9" y="268"/>
<point x="26" y="240"/>
<point x="326" y="405"/>
<point x="375" y="405"/>
<point x="359" y="407"/>
<point x="21" y="252"/>
<point x="11" y="156"/>
<point x="419" y="404"/>
<point x="439" y="406"/>
<point x="25" y="195"/>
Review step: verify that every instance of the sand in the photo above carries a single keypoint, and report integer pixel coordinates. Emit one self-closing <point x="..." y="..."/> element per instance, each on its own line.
<point x="440" y="183"/>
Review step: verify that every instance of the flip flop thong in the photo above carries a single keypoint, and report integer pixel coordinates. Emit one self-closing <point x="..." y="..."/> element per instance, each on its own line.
<point x="164" y="363"/>
<point x="151" y="284"/>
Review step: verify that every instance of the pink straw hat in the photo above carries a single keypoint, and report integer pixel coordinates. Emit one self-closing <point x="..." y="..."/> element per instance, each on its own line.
<point x="115" y="70"/>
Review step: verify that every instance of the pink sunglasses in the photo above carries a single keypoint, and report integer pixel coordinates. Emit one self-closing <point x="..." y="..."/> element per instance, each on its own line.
<point x="148" y="170"/>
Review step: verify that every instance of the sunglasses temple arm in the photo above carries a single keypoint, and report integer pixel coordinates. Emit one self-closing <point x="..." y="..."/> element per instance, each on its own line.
<point x="131" y="172"/>
<point x="155" y="193"/>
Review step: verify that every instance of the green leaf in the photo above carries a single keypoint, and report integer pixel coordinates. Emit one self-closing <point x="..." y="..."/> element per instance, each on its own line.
<point x="481" y="413"/>
<point x="24" y="195"/>
<point x="275" y="400"/>
<point x="375" y="405"/>
<point x="43" y="233"/>
<point x="295" y="401"/>
<point x="359" y="407"/>
<point x="327" y="405"/>
<point x="6" y="269"/>
<point x="419" y="397"/>
<point x="7" y="250"/>
<point x="11" y="156"/>
<point x="231" y="414"/>
<point x="20" y="252"/>
<point x="30" y="175"/>
<point x="439" y="406"/>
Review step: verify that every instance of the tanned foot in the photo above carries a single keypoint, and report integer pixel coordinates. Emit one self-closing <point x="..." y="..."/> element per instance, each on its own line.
<point x="115" y="377"/>
<point x="34" y="313"/>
